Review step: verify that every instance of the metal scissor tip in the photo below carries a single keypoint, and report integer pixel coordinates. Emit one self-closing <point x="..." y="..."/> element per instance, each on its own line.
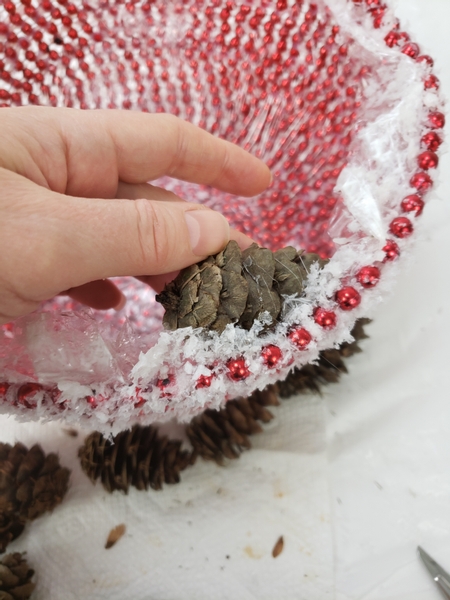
<point x="440" y="576"/>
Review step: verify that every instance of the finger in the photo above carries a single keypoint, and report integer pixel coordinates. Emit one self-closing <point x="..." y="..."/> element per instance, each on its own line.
<point x="134" y="191"/>
<point x="73" y="241"/>
<point x="102" y="147"/>
<point x="158" y="282"/>
<point x="242" y="240"/>
<point x="100" y="294"/>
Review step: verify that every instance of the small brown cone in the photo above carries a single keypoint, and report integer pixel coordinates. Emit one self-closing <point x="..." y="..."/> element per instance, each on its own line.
<point x="235" y="287"/>
<point x="138" y="458"/>
<point x="15" y="578"/>
<point x="219" y="434"/>
<point x="31" y="484"/>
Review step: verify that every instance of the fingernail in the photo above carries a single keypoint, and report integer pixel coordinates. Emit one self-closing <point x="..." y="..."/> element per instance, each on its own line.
<point x="271" y="179"/>
<point x="121" y="303"/>
<point x="208" y="231"/>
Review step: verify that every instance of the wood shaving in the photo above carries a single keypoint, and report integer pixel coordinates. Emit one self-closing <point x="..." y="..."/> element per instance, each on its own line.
<point x="115" y="535"/>
<point x="278" y="548"/>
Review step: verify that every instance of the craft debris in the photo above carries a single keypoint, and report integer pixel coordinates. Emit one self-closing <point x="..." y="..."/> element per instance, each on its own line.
<point x="115" y="535"/>
<point x="278" y="548"/>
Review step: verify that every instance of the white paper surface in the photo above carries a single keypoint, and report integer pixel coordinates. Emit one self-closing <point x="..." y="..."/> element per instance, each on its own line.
<point x="209" y="537"/>
<point x="389" y="419"/>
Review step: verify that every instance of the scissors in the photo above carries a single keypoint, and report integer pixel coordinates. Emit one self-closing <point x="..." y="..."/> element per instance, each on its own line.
<point x="440" y="576"/>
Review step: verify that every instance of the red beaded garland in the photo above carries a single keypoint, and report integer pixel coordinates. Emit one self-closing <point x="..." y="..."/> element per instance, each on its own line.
<point x="26" y="393"/>
<point x="391" y="250"/>
<point x="432" y="141"/>
<point x="368" y="276"/>
<point x="204" y="381"/>
<point x="427" y="160"/>
<point x="237" y="369"/>
<point x="401" y="227"/>
<point x="413" y="203"/>
<point x="348" y="298"/>
<point x="4" y="387"/>
<point x="271" y="355"/>
<point x="436" y="120"/>
<point x="421" y="181"/>
<point x="325" y="318"/>
<point x="300" y="337"/>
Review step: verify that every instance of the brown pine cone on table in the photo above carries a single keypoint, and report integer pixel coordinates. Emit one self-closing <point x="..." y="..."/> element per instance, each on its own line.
<point x="219" y="434"/>
<point x="31" y="484"/>
<point x="15" y="578"/>
<point x="138" y="457"/>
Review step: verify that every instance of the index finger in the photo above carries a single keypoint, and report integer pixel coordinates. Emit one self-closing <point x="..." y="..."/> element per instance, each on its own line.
<point x="103" y="147"/>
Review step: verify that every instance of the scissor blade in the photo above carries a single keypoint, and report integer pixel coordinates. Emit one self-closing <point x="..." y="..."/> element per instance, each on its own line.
<point x="440" y="576"/>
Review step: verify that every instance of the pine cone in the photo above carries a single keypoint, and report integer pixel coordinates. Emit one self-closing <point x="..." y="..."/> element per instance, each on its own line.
<point x="30" y="484"/>
<point x="329" y="368"/>
<point x="138" y="457"/>
<point x="15" y="578"/>
<point x="219" y="434"/>
<point x="235" y="287"/>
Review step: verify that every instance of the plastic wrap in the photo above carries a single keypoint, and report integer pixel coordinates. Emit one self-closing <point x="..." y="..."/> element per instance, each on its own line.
<point x="333" y="96"/>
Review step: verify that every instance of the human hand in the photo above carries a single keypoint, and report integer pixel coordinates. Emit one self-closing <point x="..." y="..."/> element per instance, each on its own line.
<point x="76" y="208"/>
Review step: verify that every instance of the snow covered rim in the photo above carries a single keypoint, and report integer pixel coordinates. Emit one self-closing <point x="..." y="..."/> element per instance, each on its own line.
<point x="382" y="188"/>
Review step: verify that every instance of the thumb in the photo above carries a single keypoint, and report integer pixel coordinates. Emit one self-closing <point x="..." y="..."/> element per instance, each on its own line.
<point x="108" y="238"/>
<point x="51" y="242"/>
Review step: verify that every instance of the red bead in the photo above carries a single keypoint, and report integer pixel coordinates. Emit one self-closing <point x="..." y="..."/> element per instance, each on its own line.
<point x="421" y="181"/>
<point x="204" y="381"/>
<point x="426" y="59"/>
<point x="348" y="298"/>
<point x="432" y="83"/>
<point x="410" y="49"/>
<point x="413" y="203"/>
<point x="26" y="394"/>
<point x="368" y="277"/>
<point x="3" y="388"/>
<point x="164" y="383"/>
<point x="427" y="160"/>
<point x="92" y="401"/>
<point x="271" y="356"/>
<point x="392" y="39"/>
<point x="237" y="369"/>
<point x="391" y="250"/>
<point x="325" y="318"/>
<point x="432" y="141"/>
<point x="401" y="227"/>
<point x="436" y="120"/>
<point x="300" y="337"/>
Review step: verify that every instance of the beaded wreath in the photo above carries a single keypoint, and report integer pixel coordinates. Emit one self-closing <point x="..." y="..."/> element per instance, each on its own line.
<point x="334" y="96"/>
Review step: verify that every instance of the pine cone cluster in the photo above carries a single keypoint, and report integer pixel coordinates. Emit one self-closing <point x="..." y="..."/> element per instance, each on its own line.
<point x="219" y="434"/>
<point x="15" y="578"/>
<point x="31" y="484"/>
<point x="235" y="287"/>
<point x="138" y="457"/>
